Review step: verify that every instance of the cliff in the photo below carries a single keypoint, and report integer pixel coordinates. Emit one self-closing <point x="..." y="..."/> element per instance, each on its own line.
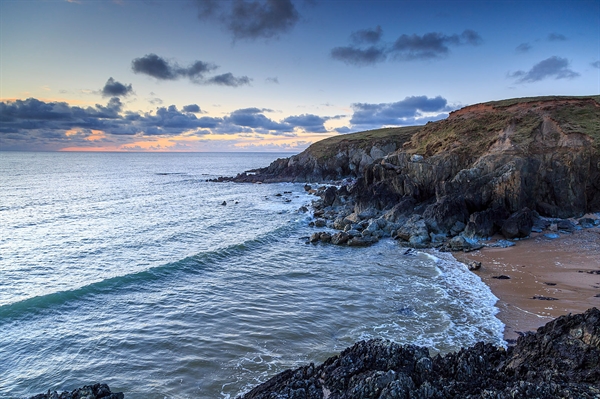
<point x="489" y="167"/>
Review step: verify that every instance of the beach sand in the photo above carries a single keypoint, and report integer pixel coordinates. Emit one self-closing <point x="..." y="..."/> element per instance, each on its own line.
<point x="566" y="268"/>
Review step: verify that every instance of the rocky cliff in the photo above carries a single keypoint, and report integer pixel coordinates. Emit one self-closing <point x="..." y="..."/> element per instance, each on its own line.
<point x="334" y="158"/>
<point x="559" y="361"/>
<point x="489" y="167"/>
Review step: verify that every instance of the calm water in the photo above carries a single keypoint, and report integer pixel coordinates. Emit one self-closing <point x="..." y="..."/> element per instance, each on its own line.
<point x="126" y="269"/>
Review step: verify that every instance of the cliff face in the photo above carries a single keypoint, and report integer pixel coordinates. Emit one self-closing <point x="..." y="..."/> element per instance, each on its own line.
<point x="334" y="158"/>
<point x="539" y="154"/>
<point x="486" y="168"/>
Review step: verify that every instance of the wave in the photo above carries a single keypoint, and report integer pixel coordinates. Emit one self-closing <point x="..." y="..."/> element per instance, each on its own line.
<point x="192" y="264"/>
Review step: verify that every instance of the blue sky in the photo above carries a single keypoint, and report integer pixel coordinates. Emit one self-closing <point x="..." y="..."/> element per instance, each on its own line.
<point x="273" y="75"/>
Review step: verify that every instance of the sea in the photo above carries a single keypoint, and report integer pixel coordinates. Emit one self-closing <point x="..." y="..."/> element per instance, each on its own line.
<point x="129" y="269"/>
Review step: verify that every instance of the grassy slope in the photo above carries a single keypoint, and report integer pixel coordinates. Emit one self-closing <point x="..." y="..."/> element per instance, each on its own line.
<point x="329" y="147"/>
<point x="474" y="134"/>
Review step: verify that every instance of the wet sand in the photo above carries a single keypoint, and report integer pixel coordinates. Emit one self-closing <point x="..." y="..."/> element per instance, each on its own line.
<point x="566" y="268"/>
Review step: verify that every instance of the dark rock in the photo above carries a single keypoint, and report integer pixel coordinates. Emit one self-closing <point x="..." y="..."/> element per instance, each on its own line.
<point x="96" y="391"/>
<point x="502" y="244"/>
<point x="303" y="209"/>
<point x="361" y="241"/>
<point x="340" y="238"/>
<point x="501" y="277"/>
<point x="307" y="187"/>
<point x="544" y="298"/>
<point x="587" y="223"/>
<point x="224" y="203"/>
<point x="474" y="265"/>
<point x="565" y="225"/>
<point x="560" y="360"/>
<point x="320" y="223"/>
<point x="486" y="223"/>
<point x="518" y="225"/>
<point x="325" y="237"/>
<point x="551" y="284"/>
<point x="442" y="216"/>
<point x="414" y="230"/>
<point x="315" y="237"/>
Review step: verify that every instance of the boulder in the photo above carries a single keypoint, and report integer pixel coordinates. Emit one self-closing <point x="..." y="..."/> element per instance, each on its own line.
<point x="340" y="238"/>
<point x="565" y="225"/>
<point x="518" y="225"/>
<point x="361" y="241"/>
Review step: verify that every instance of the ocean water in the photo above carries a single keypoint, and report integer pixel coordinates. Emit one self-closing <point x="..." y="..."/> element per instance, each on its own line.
<point x="126" y="269"/>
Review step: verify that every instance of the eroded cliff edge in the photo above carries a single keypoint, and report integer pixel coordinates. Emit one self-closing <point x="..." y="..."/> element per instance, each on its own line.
<point x="489" y="167"/>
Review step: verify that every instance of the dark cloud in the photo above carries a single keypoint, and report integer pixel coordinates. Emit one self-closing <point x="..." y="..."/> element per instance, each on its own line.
<point x="556" y="37"/>
<point x="553" y="67"/>
<point x="255" y="119"/>
<point x="55" y="125"/>
<point x="227" y="79"/>
<point x="523" y="48"/>
<point x="159" y="68"/>
<point x="308" y="122"/>
<point x="404" y="112"/>
<point x="191" y="108"/>
<point x="113" y="88"/>
<point x="251" y="19"/>
<point x="359" y="57"/>
<point x="406" y="48"/>
<point x="596" y="64"/>
<point x="369" y="36"/>
<point x="431" y="45"/>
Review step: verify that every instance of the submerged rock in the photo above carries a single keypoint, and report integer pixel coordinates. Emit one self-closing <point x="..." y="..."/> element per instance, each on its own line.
<point x="560" y="360"/>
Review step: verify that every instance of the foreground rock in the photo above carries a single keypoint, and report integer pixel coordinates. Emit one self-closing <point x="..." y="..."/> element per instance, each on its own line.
<point x="561" y="360"/>
<point x="96" y="391"/>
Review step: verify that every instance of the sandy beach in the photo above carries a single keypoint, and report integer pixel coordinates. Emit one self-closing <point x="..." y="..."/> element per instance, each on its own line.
<point x="566" y="269"/>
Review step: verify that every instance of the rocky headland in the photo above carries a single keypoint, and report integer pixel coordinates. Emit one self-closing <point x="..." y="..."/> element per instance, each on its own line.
<point x="508" y="167"/>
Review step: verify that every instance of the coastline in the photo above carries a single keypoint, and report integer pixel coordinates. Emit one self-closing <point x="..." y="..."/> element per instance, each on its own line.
<point x="566" y="268"/>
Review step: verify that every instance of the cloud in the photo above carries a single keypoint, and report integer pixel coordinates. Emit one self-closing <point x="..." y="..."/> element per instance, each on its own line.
<point x="251" y="19"/>
<point x="161" y="69"/>
<point x="227" y="79"/>
<point x="431" y="45"/>
<point x="308" y="122"/>
<point x="274" y="80"/>
<point x="596" y="64"/>
<point x="191" y="108"/>
<point x="352" y="55"/>
<point x="406" y="112"/>
<point x="406" y="47"/>
<point x="35" y="124"/>
<point x="523" y="48"/>
<point x="370" y="36"/>
<point x="113" y="88"/>
<point x="553" y="67"/>
<point x="556" y="37"/>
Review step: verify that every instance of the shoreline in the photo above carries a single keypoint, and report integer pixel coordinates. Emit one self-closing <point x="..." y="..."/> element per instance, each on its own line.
<point x="564" y="271"/>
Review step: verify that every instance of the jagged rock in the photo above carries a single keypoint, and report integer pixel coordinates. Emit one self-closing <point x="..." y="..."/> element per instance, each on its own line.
<point x="340" y="238"/>
<point x="559" y="361"/>
<point x="447" y="213"/>
<point x="587" y="223"/>
<point x="315" y="237"/>
<point x="320" y="222"/>
<point x="325" y="237"/>
<point x="486" y="223"/>
<point x="96" y="391"/>
<point x="518" y="225"/>
<point x="415" y="232"/>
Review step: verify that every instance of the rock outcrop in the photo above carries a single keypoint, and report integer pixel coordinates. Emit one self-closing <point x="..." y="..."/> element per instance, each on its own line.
<point x="560" y="360"/>
<point x="487" y="168"/>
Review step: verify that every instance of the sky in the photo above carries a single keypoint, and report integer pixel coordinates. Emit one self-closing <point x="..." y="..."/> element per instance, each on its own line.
<point x="273" y="75"/>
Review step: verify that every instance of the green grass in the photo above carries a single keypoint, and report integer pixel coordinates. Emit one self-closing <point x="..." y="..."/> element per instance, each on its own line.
<point x="329" y="147"/>
<point x="513" y="101"/>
